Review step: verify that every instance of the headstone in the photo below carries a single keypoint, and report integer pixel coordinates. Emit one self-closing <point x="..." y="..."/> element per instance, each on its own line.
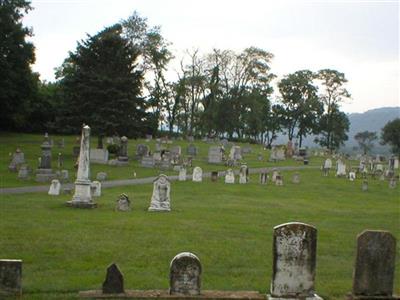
<point x="123" y="152"/>
<point x="364" y="186"/>
<point x="214" y="176"/>
<point x="396" y="163"/>
<point x="243" y="174"/>
<point x="147" y="162"/>
<point x="165" y="164"/>
<point x="294" y="262"/>
<point x="64" y="176"/>
<point x="214" y="155"/>
<point x="340" y="168"/>
<point x="277" y="153"/>
<point x="327" y="166"/>
<point x="60" y="160"/>
<point x="247" y="150"/>
<point x="296" y="178"/>
<point x="235" y="153"/>
<point x="156" y="157"/>
<point x="274" y="174"/>
<point x="197" y="174"/>
<point x="352" y="176"/>
<point x="263" y="177"/>
<point x="114" y="282"/>
<point x="95" y="188"/>
<point x="289" y="149"/>
<point x="149" y="137"/>
<point x="123" y="203"/>
<point x="142" y="150"/>
<point x="99" y="156"/>
<point x="182" y="174"/>
<point x="225" y="142"/>
<point x="373" y="275"/>
<point x="55" y="188"/>
<point x="177" y="168"/>
<point x="392" y="183"/>
<point x="160" y="200"/>
<point x="185" y="275"/>
<point x="24" y="172"/>
<point x="191" y="150"/>
<point x="279" y="180"/>
<point x="176" y="151"/>
<point x="82" y="197"/>
<point x="17" y="160"/>
<point x="101" y="176"/>
<point x="10" y="277"/>
<point x="44" y="173"/>
<point x="229" y="176"/>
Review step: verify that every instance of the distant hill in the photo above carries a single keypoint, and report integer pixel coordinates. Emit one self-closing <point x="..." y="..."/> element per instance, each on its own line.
<point x="371" y="120"/>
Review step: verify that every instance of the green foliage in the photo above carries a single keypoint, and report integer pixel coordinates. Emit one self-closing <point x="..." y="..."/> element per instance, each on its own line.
<point x="391" y="135"/>
<point x="113" y="148"/>
<point x="101" y="86"/>
<point x="18" y="85"/>
<point x="365" y="140"/>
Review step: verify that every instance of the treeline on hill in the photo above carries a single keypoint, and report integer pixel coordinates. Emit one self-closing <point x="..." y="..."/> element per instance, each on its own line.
<point x="116" y="82"/>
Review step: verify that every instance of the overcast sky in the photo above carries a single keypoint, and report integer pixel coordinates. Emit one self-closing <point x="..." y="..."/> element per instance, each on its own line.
<point x="359" y="38"/>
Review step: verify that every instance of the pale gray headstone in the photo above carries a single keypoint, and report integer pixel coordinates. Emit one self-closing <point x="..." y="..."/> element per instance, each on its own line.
<point x="55" y="188"/>
<point x="123" y="203"/>
<point x="95" y="187"/>
<point x="185" y="275"/>
<point x="229" y="176"/>
<point x="182" y="174"/>
<point x="214" y="155"/>
<point x="197" y="174"/>
<point x="160" y="199"/>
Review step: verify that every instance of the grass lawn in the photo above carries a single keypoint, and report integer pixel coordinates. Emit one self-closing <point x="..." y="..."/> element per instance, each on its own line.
<point x="229" y="227"/>
<point x="30" y="145"/>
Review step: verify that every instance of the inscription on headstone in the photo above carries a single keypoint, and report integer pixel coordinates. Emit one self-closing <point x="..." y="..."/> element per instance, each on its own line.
<point x="185" y="275"/>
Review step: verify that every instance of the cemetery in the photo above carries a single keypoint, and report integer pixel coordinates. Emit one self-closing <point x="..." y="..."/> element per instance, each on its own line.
<point x="136" y="229"/>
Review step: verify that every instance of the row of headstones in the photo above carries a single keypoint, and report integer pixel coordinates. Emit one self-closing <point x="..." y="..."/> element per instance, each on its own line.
<point x="294" y="267"/>
<point x="55" y="188"/>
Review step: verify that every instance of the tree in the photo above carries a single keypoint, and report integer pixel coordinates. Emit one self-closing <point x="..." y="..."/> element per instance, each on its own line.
<point x="101" y="86"/>
<point x="334" y="93"/>
<point x="301" y="106"/>
<point x="365" y="140"/>
<point x="18" y="84"/>
<point x="391" y="135"/>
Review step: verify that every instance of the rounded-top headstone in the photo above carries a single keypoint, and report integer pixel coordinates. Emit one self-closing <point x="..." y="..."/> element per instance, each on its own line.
<point x="185" y="274"/>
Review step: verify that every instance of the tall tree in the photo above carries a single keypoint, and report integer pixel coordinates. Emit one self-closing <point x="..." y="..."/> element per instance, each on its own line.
<point x="333" y="94"/>
<point x="301" y="106"/>
<point x="365" y="140"/>
<point x="18" y="84"/>
<point x="101" y="86"/>
<point x="391" y="135"/>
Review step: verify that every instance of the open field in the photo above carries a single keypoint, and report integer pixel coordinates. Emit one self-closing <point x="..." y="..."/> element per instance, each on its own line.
<point x="229" y="227"/>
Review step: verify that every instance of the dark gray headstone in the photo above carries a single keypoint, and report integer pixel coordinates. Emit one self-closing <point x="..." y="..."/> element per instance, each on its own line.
<point x="114" y="282"/>
<point x="214" y="176"/>
<point x="191" y="150"/>
<point x="185" y="274"/>
<point x="142" y="150"/>
<point x="10" y="277"/>
<point x="375" y="263"/>
<point x="123" y="150"/>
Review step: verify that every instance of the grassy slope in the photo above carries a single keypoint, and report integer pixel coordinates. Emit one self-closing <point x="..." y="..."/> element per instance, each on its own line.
<point x="30" y="145"/>
<point x="228" y="226"/>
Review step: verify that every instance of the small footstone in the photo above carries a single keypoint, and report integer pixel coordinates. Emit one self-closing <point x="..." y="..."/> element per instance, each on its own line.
<point x="114" y="282"/>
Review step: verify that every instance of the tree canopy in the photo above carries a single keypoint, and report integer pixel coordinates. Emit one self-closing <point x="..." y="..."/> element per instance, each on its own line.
<point x="391" y="135"/>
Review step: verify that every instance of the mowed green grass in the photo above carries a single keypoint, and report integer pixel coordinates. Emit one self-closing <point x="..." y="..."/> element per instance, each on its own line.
<point x="30" y="145"/>
<point x="229" y="227"/>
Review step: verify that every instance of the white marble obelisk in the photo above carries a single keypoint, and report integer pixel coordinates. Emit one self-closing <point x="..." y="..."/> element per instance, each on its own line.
<point x="82" y="197"/>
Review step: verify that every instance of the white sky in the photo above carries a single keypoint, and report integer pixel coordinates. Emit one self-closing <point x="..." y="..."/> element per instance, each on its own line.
<point x="359" y="38"/>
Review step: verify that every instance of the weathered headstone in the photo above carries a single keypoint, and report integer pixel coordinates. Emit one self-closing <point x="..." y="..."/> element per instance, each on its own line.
<point x="197" y="175"/>
<point x="392" y="183"/>
<point x="352" y="176"/>
<point x="373" y="275"/>
<point x="44" y="173"/>
<point x="289" y="149"/>
<point x="327" y="166"/>
<point x="99" y="156"/>
<point x="294" y="262"/>
<point x="243" y="174"/>
<point x="55" y="188"/>
<point x="340" y="168"/>
<point x="278" y="179"/>
<point x="101" y="176"/>
<point x="182" y="174"/>
<point x="191" y="150"/>
<point x="214" y="155"/>
<point x="214" y="176"/>
<point x="147" y="162"/>
<point x="10" y="277"/>
<point x="95" y="188"/>
<point x="229" y="176"/>
<point x="235" y="153"/>
<point x="17" y="160"/>
<point x="123" y="203"/>
<point x="296" y="178"/>
<point x="176" y="151"/>
<point x="263" y="177"/>
<point x="165" y="164"/>
<point x="123" y="152"/>
<point x="185" y="275"/>
<point x="277" y="153"/>
<point x="274" y="174"/>
<point x="64" y="176"/>
<point x="142" y="150"/>
<point x="82" y="197"/>
<point x="114" y="282"/>
<point x="24" y="172"/>
<point x="160" y="199"/>
<point x="364" y="186"/>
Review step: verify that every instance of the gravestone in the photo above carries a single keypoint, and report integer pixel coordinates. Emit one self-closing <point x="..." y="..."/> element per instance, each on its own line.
<point x="263" y="177"/>
<point x="24" y="172"/>
<point x="123" y="152"/>
<point x="99" y="156"/>
<point x="296" y="178"/>
<point x="17" y="160"/>
<point x="247" y="150"/>
<point x="294" y="262"/>
<point x="352" y="176"/>
<point x="191" y="150"/>
<point x="274" y="174"/>
<point x="230" y="176"/>
<point x="327" y="166"/>
<point x="160" y="199"/>
<point x="392" y="183"/>
<point x="214" y="176"/>
<point x="176" y="151"/>
<point x="55" y="188"/>
<point x="10" y="277"/>
<point x="197" y="174"/>
<point x="277" y="153"/>
<point x="64" y="176"/>
<point x="182" y="174"/>
<point x="289" y="149"/>
<point x="279" y="180"/>
<point x="82" y="197"/>
<point x="235" y="153"/>
<point x="185" y="275"/>
<point x="44" y="173"/>
<point x="340" y="168"/>
<point x="165" y="164"/>
<point x="123" y="203"/>
<point x="101" y="176"/>
<point x="364" y="186"/>
<point x="225" y="142"/>
<point x="149" y="137"/>
<point x="114" y="282"/>
<point x="60" y="160"/>
<point x="95" y="188"/>
<point x="142" y="150"/>
<point x="373" y="275"/>
<point x="243" y="174"/>
<point x="147" y="162"/>
<point x="214" y="155"/>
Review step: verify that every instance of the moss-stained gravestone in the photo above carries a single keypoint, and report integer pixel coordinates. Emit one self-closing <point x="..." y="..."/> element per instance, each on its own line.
<point x="373" y="275"/>
<point x="185" y="274"/>
<point x="294" y="262"/>
<point x="10" y="277"/>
